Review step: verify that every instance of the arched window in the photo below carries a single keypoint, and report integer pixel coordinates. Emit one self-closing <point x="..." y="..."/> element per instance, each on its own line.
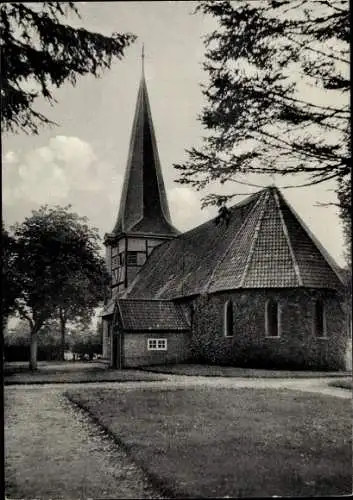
<point x="319" y="319"/>
<point x="272" y="319"/>
<point x="228" y="319"/>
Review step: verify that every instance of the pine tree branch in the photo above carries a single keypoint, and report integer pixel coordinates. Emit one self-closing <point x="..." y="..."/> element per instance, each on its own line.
<point x="318" y="51"/>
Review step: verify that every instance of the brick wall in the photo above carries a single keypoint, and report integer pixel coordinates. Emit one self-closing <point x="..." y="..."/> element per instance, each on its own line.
<point x="136" y="352"/>
<point x="296" y="348"/>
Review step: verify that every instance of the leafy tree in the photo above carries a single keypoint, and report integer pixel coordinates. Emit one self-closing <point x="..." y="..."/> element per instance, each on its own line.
<point x="39" y="52"/>
<point x="10" y="285"/>
<point x="267" y="61"/>
<point x="17" y="342"/>
<point x="86" y="342"/>
<point x="55" y="248"/>
<point x="345" y="210"/>
<point x="80" y="294"/>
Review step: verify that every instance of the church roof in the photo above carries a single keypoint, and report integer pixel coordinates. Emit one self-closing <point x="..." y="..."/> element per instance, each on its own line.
<point x="142" y="315"/>
<point x="143" y="206"/>
<point x="264" y="245"/>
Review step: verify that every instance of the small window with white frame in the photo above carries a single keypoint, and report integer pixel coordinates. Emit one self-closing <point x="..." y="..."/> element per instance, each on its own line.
<point x="157" y="344"/>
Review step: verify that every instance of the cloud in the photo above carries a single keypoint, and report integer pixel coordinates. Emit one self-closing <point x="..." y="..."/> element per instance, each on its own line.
<point x="48" y="173"/>
<point x="10" y="158"/>
<point x="66" y="170"/>
<point x="185" y="208"/>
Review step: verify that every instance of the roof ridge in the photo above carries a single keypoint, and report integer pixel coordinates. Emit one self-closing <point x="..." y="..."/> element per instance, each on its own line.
<point x="289" y="243"/>
<point x="209" y="281"/>
<point x="255" y="238"/>
<point x="326" y="256"/>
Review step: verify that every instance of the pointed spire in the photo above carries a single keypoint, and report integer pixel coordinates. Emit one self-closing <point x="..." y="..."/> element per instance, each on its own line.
<point x="143" y="206"/>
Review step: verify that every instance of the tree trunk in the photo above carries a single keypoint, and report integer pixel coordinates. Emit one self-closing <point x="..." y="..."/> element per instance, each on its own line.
<point x="62" y="334"/>
<point x="5" y="320"/>
<point x="34" y="350"/>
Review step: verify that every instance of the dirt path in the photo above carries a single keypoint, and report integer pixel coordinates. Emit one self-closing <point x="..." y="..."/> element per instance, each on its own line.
<point x="55" y="452"/>
<point x="316" y="385"/>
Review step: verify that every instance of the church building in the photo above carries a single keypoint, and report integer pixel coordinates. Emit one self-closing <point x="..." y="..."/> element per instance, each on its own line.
<point x="255" y="291"/>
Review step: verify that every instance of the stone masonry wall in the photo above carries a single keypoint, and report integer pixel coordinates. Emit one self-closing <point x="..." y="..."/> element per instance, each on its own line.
<point x="296" y="348"/>
<point x="136" y="352"/>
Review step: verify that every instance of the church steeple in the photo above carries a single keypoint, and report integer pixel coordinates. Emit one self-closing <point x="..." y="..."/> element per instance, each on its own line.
<point x="143" y="206"/>
<point x="143" y="221"/>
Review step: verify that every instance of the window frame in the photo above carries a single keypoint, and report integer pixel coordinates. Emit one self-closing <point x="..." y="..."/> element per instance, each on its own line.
<point x="279" y="319"/>
<point x="226" y="320"/>
<point x="314" y="317"/>
<point x="157" y="346"/>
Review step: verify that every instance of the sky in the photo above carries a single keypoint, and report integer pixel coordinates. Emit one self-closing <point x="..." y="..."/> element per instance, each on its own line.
<point x="82" y="161"/>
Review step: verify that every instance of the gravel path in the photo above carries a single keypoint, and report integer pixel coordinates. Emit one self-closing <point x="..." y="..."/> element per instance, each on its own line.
<point x="53" y="451"/>
<point x="316" y="385"/>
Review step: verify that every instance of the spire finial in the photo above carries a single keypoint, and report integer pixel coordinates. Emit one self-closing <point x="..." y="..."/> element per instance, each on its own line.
<point x="143" y="58"/>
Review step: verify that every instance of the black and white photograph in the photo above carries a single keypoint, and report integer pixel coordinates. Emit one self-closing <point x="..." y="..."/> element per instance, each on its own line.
<point x="176" y="249"/>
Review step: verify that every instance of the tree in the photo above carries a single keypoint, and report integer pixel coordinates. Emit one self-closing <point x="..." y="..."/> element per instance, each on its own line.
<point x="262" y="115"/>
<point x="17" y="342"/>
<point x="10" y="285"/>
<point x="80" y="294"/>
<point x="39" y="50"/>
<point x="345" y="211"/>
<point x="86" y="342"/>
<point x="54" y="248"/>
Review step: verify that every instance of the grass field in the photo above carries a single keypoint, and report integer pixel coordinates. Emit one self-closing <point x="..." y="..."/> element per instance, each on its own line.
<point x="233" y="371"/>
<point x="346" y="383"/>
<point x="71" y="372"/>
<point x="231" y="442"/>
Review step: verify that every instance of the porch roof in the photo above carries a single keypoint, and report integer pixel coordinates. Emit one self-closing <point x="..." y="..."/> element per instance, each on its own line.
<point x="152" y="315"/>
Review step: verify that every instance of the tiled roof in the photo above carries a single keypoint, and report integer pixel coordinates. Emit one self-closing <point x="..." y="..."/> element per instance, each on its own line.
<point x="152" y="315"/>
<point x="263" y="250"/>
<point x="316" y="266"/>
<point x="143" y="206"/>
<point x="265" y="245"/>
<point x="184" y="265"/>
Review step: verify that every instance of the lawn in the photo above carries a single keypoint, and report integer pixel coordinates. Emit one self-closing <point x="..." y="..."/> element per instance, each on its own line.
<point x="71" y="372"/>
<point x="207" y="442"/>
<point x="233" y="371"/>
<point x="345" y="383"/>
